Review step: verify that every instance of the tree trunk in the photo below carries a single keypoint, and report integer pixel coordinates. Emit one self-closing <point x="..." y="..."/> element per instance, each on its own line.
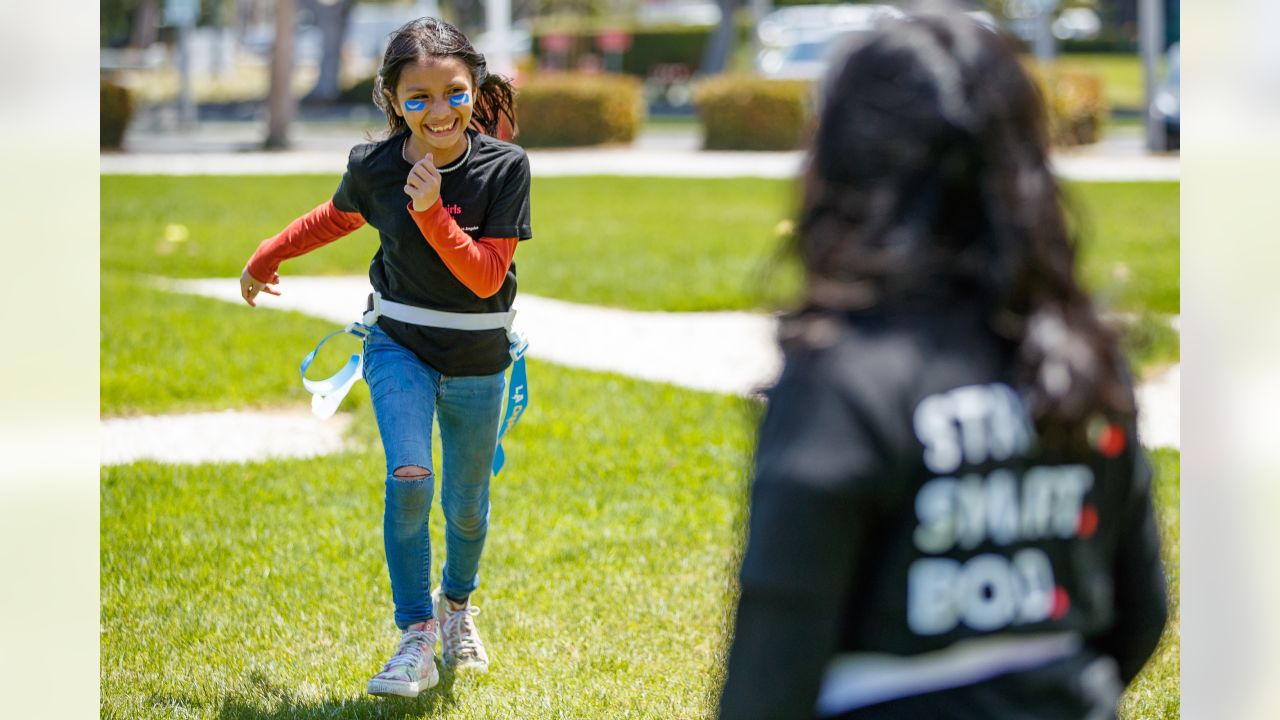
<point x="281" y="104"/>
<point x="332" y="17"/>
<point x="146" y="24"/>
<point x="720" y="47"/>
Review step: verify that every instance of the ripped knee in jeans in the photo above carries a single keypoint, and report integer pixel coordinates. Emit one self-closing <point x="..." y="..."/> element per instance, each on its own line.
<point x="412" y="472"/>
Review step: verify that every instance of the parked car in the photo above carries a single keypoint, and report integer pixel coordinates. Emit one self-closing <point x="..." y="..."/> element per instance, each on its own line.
<point x="699" y="12"/>
<point x="1077" y="24"/>
<point x="1166" y="107"/>
<point x="800" y="23"/>
<point x="800" y="42"/>
<point x="806" y="57"/>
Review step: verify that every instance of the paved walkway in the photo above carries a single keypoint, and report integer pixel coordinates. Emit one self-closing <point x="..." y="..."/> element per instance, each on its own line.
<point x="232" y="149"/>
<point x="724" y="352"/>
<point x="229" y="436"/>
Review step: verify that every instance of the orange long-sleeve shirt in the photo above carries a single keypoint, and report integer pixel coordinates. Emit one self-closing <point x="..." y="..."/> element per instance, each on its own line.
<point x="317" y="228"/>
<point x="481" y="265"/>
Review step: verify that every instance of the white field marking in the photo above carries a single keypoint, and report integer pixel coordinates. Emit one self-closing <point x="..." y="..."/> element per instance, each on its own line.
<point x="228" y="436"/>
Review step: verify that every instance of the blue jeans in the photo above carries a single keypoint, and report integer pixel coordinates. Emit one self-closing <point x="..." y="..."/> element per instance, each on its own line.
<point x="407" y="395"/>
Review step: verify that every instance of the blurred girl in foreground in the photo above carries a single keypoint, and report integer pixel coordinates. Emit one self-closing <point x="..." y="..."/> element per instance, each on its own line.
<point x="951" y="513"/>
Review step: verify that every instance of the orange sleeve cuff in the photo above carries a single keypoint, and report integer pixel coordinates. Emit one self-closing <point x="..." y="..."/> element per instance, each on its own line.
<point x="481" y="265"/>
<point x="317" y="228"/>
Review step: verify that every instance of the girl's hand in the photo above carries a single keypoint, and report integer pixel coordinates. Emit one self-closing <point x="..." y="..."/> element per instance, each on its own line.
<point x="250" y="287"/>
<point x="423" y="184"/>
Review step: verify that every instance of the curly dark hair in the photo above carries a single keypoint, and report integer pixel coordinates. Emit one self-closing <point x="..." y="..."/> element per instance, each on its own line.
<point x="431" y="37"/>
<point x="928" y="182"/>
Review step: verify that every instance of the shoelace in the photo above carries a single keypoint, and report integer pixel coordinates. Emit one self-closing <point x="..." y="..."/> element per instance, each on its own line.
<point x="458" y="624"/>
<point x="410" y="650"/>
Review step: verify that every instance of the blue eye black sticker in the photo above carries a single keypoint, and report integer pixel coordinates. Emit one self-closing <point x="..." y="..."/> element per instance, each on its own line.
<point x="459" y="99"/>
<point x="414" y="105"/>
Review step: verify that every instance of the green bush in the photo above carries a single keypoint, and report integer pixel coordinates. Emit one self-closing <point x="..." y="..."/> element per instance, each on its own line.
<point x="666" y="46"/>
<point x="1113" y="43"/>
<point x="743" y="112"/>
<point x="359" y="93"/>
<point x="115" y="111"/>
<point x="1076" y="105"/>
<point x="565" y="110"/>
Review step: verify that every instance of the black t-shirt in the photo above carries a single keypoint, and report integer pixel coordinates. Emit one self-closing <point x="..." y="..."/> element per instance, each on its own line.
<point x="903" y="517"/>
<point x="487" y="193"/>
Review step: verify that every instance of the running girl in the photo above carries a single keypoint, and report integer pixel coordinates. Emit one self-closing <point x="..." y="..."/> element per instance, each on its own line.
<point x="450" y="203"/>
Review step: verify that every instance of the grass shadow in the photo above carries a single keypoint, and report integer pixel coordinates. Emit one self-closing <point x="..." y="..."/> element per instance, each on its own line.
<point x="286" y="705"/>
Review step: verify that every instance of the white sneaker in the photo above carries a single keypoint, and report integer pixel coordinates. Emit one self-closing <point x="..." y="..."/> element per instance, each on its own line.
<point x="412" y="668"/>
<point x="460" y="645"/>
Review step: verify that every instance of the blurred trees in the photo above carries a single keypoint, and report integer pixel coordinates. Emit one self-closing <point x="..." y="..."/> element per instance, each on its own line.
<point x="135" y="23"/>
<point x="716" y="57"/>
<point x="281" y="105"/>
<point x="332" y="17"/>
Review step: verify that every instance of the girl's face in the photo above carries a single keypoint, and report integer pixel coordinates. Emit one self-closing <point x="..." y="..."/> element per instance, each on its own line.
<point x="435" y="97"/>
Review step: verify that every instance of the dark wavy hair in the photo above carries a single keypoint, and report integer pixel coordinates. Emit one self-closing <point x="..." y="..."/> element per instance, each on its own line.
<point x="928" y="183"/>
<point x="429" y="37"/>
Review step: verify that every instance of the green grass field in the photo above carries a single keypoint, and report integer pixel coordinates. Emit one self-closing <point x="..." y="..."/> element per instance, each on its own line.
<point x="259" y="590"/>
<point x="166" y="352"/>
<point x="610" y="564"/>
<point x="608" y="575"/>
<point x="675" y="244"/>
<point x="269" y="576"/>
<point x="244" y="591"/>
<point x="1155" y="694"/>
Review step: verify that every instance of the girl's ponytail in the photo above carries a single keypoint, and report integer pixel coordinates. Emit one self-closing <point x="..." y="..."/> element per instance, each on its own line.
<point x="495" y="100"/>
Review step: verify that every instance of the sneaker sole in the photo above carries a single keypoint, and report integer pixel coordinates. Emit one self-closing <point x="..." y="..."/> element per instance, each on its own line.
<point x="397" y="688"/>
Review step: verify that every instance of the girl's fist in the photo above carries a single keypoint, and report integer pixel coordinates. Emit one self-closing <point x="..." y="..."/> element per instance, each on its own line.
<point x="423" y="184"/>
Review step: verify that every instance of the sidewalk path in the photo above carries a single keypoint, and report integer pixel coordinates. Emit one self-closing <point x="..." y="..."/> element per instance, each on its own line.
<point x="724" y="352"/>
<point x="1160" y="409"/>
<point x="230" y="436"/>
<point x="603" y="161"/>
<point x="231" y="149"/>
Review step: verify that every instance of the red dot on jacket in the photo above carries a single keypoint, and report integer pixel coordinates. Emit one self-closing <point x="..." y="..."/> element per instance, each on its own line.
<point x="1061" y="603"/>
<point x="1088" y="521"/>
<point x="1111" y="441"/>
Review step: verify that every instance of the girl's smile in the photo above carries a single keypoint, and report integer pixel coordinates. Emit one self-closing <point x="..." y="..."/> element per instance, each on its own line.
<point x="442" y="131"/>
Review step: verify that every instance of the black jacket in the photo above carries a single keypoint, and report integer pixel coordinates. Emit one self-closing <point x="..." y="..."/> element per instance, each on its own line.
<point x="913" y="553"/>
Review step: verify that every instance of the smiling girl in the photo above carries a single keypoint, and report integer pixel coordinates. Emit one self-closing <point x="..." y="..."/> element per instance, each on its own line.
<point x="450" y="203"/>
